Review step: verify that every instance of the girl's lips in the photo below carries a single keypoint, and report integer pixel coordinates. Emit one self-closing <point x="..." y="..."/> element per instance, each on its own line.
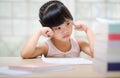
<point x="65" y="36"/>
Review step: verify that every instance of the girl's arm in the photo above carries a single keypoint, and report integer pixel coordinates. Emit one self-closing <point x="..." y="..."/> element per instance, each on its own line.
<point x="30" y="49"/>
<point x="88" y="48"/>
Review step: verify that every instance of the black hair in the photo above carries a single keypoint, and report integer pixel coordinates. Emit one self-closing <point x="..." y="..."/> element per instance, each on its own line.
<point x="54" y="13"/>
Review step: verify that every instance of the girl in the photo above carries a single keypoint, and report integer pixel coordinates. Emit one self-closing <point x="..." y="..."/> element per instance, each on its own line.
<point x="57" y="25"/>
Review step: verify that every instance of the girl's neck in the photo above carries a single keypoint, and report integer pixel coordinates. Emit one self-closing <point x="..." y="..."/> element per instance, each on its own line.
<point x="62" y="45"/>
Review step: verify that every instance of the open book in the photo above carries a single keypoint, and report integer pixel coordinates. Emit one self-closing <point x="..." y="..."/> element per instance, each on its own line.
<point x="32" y="69"/>
<point x="41" y="67"/>
<point x="66" y="60"/>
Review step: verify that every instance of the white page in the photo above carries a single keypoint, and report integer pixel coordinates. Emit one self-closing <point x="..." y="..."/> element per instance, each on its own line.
<point x="12" y="72"/>
<point x="66" y="60"/>
<point x="6" y="71"/>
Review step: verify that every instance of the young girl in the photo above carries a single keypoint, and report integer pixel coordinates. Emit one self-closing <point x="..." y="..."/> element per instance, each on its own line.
<point x="57" y="24"/>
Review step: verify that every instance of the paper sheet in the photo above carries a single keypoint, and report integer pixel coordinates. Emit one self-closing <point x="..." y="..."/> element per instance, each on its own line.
<point x="66" y="60"/>
<point x="6" y="71"/>
<point x="15" y="71"/>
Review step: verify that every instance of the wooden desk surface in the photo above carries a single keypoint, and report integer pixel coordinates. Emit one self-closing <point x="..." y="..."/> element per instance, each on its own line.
<point x="78" y="71"/>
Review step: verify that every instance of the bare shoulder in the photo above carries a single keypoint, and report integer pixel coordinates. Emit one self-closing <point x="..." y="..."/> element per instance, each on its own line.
<point x="43" y="48"/>
<point x="80" y="41"/>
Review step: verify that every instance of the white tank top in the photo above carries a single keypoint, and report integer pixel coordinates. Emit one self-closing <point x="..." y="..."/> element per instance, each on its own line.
<point x="54" y="52"/>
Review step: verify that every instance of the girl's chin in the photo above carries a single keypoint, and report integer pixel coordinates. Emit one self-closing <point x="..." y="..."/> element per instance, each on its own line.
<point x="65" y="39"/>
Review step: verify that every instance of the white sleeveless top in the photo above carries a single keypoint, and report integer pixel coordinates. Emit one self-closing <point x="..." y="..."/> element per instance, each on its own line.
<point x="54" y="52"/>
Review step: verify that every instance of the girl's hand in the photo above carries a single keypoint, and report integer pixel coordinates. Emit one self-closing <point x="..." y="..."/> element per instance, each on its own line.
<point x="47" y="32"/>
<point x="80" y="26"/>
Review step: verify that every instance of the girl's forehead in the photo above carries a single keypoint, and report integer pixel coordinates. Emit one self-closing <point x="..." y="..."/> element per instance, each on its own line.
<point x="64" y="23"/>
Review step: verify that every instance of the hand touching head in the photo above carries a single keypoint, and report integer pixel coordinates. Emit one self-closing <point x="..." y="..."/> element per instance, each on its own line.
<point x="80" y="26"/>
<point x="47" y="32"/>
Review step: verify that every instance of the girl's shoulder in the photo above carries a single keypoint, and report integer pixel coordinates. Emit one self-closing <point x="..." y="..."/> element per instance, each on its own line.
<point x="80" y="41"/>
<point x="43" y="47"/>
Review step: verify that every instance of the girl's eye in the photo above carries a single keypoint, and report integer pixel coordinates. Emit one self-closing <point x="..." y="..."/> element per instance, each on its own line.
<point x="68" y="23"/>
<point x="59" y="28"/>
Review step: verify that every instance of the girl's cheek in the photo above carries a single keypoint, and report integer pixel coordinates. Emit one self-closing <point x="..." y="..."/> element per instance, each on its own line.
<point x="57" y="36"/>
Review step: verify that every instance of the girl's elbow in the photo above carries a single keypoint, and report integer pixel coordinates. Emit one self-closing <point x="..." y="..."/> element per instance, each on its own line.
<point x="24" y="55"/>
<point x="92" y="54"/>
<point x="27" y="55"/>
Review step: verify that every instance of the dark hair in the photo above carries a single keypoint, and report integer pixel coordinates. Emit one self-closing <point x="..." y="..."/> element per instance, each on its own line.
<point x="54" y="13"/>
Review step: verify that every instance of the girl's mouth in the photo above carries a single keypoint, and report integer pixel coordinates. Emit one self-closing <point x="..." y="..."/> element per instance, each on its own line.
<point x="66" y="36"/>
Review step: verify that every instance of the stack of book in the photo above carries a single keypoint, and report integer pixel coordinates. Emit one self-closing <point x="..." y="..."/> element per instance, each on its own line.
<point x="107" y="46"/>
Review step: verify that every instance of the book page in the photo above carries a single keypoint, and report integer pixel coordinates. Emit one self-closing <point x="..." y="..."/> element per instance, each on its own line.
<point x="33" y="69"/>
<point x="66" y="60"/>
<point x="6" y="71"/>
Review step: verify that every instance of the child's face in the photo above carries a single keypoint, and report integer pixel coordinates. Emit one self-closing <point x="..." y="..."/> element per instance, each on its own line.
<point x="64" y="31"/>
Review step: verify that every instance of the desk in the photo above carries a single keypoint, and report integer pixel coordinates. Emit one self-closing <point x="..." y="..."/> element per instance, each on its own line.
<point x="78" y="71"/>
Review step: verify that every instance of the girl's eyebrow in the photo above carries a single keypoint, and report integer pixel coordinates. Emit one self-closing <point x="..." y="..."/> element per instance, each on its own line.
<point x="70" y="21"/>
<point x="66" y="22"/>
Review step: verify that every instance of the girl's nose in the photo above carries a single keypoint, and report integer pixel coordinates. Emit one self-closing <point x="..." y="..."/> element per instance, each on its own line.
<point x="65" y="30"/>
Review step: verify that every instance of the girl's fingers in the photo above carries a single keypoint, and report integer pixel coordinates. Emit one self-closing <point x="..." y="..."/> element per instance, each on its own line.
<point x="79" y="26"/>
<point x="49" y="33"/>
<point x="76" y="23"/>
<point x="73" y="23"/>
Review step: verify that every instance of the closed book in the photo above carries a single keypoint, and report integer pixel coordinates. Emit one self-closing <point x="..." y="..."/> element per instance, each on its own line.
<point x="114" y="36"/>
<point x="113" y="66"/>
<point x="106" y="47"/>
<point x="114" y="28"/>
<point x="110" y="44"/>
<point x="109" y="37"/>
<point x="105" y="27"/>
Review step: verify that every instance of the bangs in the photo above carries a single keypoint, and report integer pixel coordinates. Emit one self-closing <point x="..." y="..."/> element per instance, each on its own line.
<point x="55" y="15"/>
